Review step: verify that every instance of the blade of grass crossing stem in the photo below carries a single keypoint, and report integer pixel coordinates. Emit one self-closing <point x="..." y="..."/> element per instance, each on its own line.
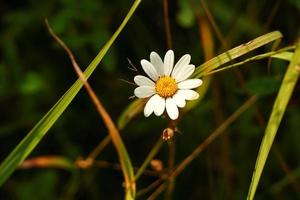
<point x="282" y="99"/>
<point x="124" y="159"/>
<point x="237" y="52"/>
<point x="25" y="147"/>
<point x="254" y="58"/>
<point x="284" y="55"/>
<point x="150" y="156"/>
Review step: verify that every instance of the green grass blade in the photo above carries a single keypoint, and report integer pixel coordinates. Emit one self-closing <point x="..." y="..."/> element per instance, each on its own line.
<point x="25" y="147"/>
<point x="236" y="52"/>
<point x="286" y="55"/>
<point x="282" y="99"/>
<point x="148" y="159"/>
<point x="280" y="54"/>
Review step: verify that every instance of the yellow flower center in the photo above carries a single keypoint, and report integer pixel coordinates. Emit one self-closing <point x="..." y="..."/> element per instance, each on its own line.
<point x="166" y="86"/>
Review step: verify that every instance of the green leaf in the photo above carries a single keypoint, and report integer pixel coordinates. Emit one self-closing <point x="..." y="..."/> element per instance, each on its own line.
<point x="279" y="108"/>
<point x="25" y="147"/>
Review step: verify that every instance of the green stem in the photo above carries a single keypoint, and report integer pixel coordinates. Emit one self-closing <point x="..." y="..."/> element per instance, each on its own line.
<point x="150" y="156"/>
<point x="279" y="108"/>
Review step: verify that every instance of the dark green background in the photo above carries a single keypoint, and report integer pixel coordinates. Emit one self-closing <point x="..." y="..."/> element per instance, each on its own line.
<point x="35" y="72"/>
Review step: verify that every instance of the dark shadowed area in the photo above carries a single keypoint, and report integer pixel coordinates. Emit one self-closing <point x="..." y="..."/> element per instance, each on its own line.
<point x="35" y="72"/>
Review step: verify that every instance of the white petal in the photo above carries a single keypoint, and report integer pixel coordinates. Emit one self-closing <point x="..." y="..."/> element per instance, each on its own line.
<point x="168" y="62"/>
<point x="181" y="64"/>
<point x="190" y="84"/>
<point x="188" y="94"/>
<point x="157" y="63"/>
<point x="143" y="81"/>
<point x="184" y="73"/>
<point x="149" y="69"/>
<point x="150" y="105"/>
<point x="180" y="101"/>
<point x="144" y="91"/>
<point x="171" y="108"/>
<point x="160" y="104"/>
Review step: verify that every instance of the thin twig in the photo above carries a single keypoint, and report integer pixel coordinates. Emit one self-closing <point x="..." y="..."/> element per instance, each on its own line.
<point x="157" y="192"/>
<point x="206" y="143"/>
<point x="147" y="189"/>
<point x="293" y="180"/>
<point x="214" y="24"/>
<point x="214" y="135"/>
<point x="99" y="148"/>
<point x="171" y="163"/>
<point x="113" y="131"/>
<point x="150" y="156"/>
<point x="116" y="166"/>
<point x="172" y="142"/>
<point x="167" y="24"/>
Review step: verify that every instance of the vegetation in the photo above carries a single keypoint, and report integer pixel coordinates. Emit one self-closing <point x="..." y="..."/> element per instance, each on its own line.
<point x="56" y="145"/>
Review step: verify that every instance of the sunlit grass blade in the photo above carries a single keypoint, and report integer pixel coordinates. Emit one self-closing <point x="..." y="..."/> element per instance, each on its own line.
<point x="282" y="99"/>
<point x="281" y="55"/>
<point x="25" y="147"/>
<point x="286" y="55"/>
<point x="236" y="52"/>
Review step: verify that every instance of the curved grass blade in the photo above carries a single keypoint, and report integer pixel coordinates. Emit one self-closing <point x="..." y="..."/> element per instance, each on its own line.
<point x="286" y="55"/>
<point x="25" y="147"/>
<point x="280" y="54"/>
<point x="236" y="52"/>
<point x="282" y="99"/>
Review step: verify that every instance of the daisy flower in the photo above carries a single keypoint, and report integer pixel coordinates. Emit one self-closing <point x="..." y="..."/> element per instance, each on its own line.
<point x="167" y="87"/>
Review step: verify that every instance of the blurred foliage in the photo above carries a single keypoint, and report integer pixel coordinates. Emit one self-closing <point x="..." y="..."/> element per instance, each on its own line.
<point x="35" y="72"/>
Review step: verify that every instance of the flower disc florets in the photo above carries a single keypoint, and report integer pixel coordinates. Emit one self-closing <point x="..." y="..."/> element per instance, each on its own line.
<point x="166" y="86"/>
